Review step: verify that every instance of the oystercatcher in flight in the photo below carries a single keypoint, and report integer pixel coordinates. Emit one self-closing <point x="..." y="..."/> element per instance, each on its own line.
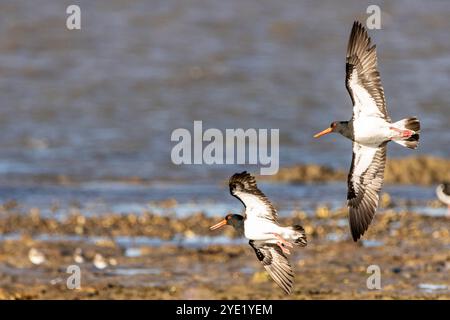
<point x="270" y="241"/>
<point x="370" y="129"/>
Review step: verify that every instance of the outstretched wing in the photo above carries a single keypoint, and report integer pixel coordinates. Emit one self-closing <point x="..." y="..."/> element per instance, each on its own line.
<point x="363" y="80"/>
<point x="276" y="264"/>
<point x="243" y="186"/>
<point x="365" y="180"/>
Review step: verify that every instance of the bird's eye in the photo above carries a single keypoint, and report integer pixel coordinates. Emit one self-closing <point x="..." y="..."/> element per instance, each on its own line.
<point x="333" y="124"/>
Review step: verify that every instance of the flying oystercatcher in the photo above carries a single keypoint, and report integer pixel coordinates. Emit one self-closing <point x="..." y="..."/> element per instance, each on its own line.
<point x="370" y="129"/>
<point x="270" y="241"/>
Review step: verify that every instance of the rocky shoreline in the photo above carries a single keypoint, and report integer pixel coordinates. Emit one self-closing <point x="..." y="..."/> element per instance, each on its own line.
<point x="421" y="170"/>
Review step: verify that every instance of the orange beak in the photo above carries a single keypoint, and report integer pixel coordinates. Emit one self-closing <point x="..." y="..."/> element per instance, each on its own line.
<point x="324" y="132"/>
<point x="218" y="225"/>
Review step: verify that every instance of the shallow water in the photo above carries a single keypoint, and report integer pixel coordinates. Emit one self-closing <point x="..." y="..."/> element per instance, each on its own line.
<point x="431" y="287"/>
<point x="211" y="199"/>
<point x="103" y="101"/>
<point x="135" y="271"/>
<point x="132" y="244"/>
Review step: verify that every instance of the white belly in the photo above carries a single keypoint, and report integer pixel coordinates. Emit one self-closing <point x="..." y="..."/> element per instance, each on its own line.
<point x="371" y="131"/>
<point x="260" y="229"/>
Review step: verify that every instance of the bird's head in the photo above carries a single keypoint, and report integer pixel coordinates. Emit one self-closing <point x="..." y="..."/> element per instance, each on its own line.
<point x="234" y="220"/>
<point x="335" y="126"/>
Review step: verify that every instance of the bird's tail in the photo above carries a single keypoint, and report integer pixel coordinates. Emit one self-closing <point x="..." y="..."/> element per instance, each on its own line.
<point x="412" y="124"/>
<point x="299" y="235"/>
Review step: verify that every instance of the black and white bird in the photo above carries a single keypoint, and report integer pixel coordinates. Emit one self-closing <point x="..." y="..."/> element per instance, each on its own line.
<point x="370" y="129"/>
<point x="270" y="241"/>
<point x="443" y="194"/>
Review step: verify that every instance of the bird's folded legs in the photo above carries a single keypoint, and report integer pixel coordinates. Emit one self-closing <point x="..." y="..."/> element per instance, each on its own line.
<point x="282" y="243"/>
<point x="403" y="133"/>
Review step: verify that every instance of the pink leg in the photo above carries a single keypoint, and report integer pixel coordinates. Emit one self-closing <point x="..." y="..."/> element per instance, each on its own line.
<point x="283" y="248"/>
<point x="282" y="241"/>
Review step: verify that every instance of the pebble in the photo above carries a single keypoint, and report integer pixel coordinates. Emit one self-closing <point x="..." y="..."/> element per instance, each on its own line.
<point x="36" y="257"/>
<point x="99" y="261"/>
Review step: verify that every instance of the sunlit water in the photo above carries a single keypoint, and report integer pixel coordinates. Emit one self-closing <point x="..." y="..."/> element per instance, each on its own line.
<point x="103" y="101"/>
<point x="210" y="199"/>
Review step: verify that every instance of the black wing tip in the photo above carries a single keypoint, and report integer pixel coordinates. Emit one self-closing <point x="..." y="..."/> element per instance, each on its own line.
<point x="359" y="221"/>
<point x="359" y="39"/>
<point x="243" y="178"/>
<point x="358" y="232"/>
<point x="282" y="280"/>
<point x="288" y="290"/>
<point x="357" y="25"/>
<point x="356" y="235"/>
<point x="359" y="228"/>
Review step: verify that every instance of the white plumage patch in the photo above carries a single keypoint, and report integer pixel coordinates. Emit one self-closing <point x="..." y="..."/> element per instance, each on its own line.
<point x="365" y="105"/>
<point x="255" y="206"/>
<point x="363" y="158"/>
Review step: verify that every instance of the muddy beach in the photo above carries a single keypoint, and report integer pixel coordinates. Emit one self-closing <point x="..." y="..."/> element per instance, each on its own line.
<point x="163" y="249"/>
<point x="149" y="256"/>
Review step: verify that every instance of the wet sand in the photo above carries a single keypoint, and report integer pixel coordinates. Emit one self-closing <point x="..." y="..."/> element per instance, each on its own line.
<point x="411" y="250"/>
